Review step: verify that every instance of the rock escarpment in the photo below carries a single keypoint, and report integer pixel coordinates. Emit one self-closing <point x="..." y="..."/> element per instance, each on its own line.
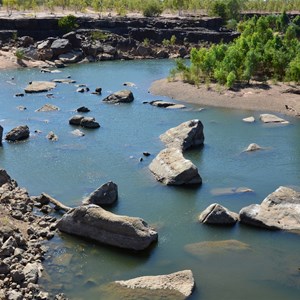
<point x="93" y="222"/>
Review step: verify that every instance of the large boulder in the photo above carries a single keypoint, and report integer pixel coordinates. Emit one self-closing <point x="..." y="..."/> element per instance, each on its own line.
<point x="39" y="86"/>
<point x="4" y="177"/>
<point x="181" y="282"/>
<point x="171" y="168"/>
<point x="217" y="214"/>
<point x="71" y="57"/>
<point x="89" y="122"/>
<point x="279" y="210"/>
<point x="106" y="194"/>
<point x="124" y="96"/>
<point x="73" y="38"/>
<point x="93" y="222"/>
<point x="61" y="46"/>
<point x="184" y="136"/>
<point x="18" y="133"/>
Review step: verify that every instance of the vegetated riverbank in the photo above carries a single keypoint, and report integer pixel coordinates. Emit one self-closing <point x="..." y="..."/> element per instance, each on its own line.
<point x="276" y="97"/>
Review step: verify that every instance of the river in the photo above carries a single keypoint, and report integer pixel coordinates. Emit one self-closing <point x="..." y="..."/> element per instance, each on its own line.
<point x="73" y="167"/>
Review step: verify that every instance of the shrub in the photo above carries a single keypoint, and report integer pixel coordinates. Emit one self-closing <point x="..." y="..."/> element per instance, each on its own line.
<point x="152" y="9"/>
<point x="68" y="23"/>
<point x="19" y="53"/>
<point x="173" y="40"/>
<point x="99" y="35"/>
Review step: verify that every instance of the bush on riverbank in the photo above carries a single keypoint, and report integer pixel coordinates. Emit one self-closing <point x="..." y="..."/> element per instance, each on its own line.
<point x="268" y="48"/>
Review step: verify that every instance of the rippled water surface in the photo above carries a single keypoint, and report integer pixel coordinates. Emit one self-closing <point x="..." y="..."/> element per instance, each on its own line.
<point x="72" y="167"/>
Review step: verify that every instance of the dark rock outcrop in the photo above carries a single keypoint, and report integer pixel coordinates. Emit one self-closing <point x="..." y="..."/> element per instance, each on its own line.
<point x="18" y="133"/>
<point x="124" y="96"/>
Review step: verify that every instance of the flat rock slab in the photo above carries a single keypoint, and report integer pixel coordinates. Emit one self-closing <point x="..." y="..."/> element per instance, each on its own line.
<point x="216" y="247"/>
<point x="40" y="86"/>
<point x="171" y="168"/>
<point x="279" y="210"/>
<point x="124" y="96"/>
<point x="268" y="118"/>
<point x="231" y="191"/>
<point x="47" y="107"/>
<point x="182" y="282"/>
<point x="165" y="104"/>
<point x="95" y="223"/>
<point x="184" y="136"/>
<point x="64" y="80"/>
<point x="217" y="214"/>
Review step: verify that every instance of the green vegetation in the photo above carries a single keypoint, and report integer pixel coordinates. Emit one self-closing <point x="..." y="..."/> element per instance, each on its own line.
<point x="268" y="48"/>
<point x="19" y="54"/>
<point x="68" y="23"/>
<point x="226" y="8"/>
<point x="99" y="35"/>
<point x="152" y="8"/>
<point x="171" y="41"/>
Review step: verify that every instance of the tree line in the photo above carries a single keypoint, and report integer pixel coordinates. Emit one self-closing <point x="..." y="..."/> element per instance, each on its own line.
<point x="212" y="7"/>
<point x="268" y="48"/>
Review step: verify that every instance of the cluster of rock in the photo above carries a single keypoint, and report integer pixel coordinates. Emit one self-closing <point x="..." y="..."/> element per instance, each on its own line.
<point x="278" y="211"/>
<point x="22" y="249"/>
<point x="110" y="38"/>
<point x="169" y="166"/>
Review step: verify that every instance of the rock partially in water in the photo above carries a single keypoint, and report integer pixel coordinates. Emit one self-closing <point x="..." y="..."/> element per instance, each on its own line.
<point x="93" y="222"/>
<point x="253" y="147"/>
<point x="89" y="122"/>
<point x="83" y="109"/>
<point x="249" y="119"/>
<point x="40" y="86"/>
<point x="181" y="282"/>
<point x="131" y="84"/>
<point x="217" y="214"/>
<point x="215" y="247"/>
<point x="106" y="194"/>
<point x="64" y="80"/>
<point x="166" y="104"/>
<point x="52" y="136"/>
<point x="78" y="132"/>
<point x="268" y="118"/>
<point x="75" y="120"/>
<point x="171" y="168"/>
<point x="48" y="107"/>
<point x="184" y="136"/>
<point x="279" y="210"/>
<point x="124" y="96"/>
<point x="18" y="133"/>
<point x="71" y="57"/>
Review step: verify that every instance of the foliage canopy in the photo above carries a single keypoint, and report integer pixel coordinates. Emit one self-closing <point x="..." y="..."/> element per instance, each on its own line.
<point x="268" y="48"/>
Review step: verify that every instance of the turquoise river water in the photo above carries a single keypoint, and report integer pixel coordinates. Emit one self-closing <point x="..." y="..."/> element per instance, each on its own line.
<point x="72" y="167"/>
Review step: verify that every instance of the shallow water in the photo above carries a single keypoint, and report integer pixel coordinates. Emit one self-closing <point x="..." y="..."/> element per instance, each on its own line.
<point x="72" y="167"/>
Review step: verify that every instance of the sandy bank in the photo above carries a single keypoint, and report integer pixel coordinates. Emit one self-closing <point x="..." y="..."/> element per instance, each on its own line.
<point x="271" y="97"/>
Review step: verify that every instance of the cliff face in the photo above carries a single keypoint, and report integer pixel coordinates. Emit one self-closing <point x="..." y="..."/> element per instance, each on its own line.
<point x="156" y="29"/>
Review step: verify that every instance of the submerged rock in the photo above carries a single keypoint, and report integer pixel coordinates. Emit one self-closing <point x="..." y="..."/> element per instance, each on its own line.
<point x="218" y="215"/>
<point x="18" y="133"/>
<point x="231" y="191"/>
<point x="182" y="282"/>
<point x="279" y="210"/>
<point x="93" y="222"/>
<point x="64" y="80"/>
<point x="213" y="247"/>
<point x="78" y="132"/>
<point x="40" y="86"/>
<point x="106" y="194"/>
<point x="184" y="136"/>
<point x="124" y="96"/>
<point x="171" y="168"/>
<point x="52" y="136"/>
<point x="268" y="118"/>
